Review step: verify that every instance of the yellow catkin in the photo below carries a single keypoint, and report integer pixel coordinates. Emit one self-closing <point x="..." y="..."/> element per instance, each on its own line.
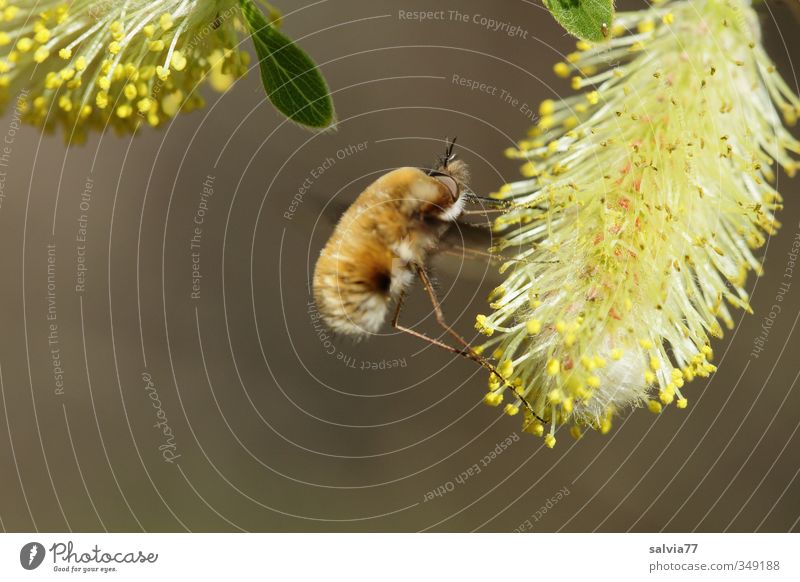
<point x="622" y="304"/>
<point x="136" y="71"/>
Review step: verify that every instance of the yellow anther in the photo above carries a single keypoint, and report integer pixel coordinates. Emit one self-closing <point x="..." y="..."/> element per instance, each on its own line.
<point x="493" y="398"/>
<point x="24" y="44"/>
<point x="165" y="21"/>
<point x="114" y="47"/>
<point x="482" y="325"/>
<point x="567" y="405"/>
<point x="649" y="377"/>
<point x="535" y="428"/>
<point x="646" y="26"/>
<point x="550" y="441"/>
<point x="553" y="367"/>
<point x="101" y="100"/>
<point x="569" y="340"/>
<point x="577" y="83"/>
<point x="41" y="54"/>
<point x="555" y="396"/>
<point x="593" y="97"/>
<point x="599" y="362"/>
<point x="665" y="396"/>
<point x="511" y="410"/>
<point x="178" y="61"/>
<point x="144" y="105"/>
<point x="655" y="363"/>
<point x="42" y="36"/>
<point x="534" y="326"/>
<point x="646" y="344"/>
<point x="130" y="91"/>
<point x="593" y="382"/>
<point x="124" y="111"/>
<point x="156" y="46"/>
<point x="668" y="18"/>
<point x="654" y="406"/>
<point x="682" y="403"/>
<point x="546" y="122"/>
<point x="561" y="327"/>
<point x="506" y="368"/>
<point x="496" y="293"/>
<point x="562" y="70"/>
<point x="616" y="354"/>
<point x="575" y="432"/>
<point x="547" y="107"/>
<point x="583" y="45"/>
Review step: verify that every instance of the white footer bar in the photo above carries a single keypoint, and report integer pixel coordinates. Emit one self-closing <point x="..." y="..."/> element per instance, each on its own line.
<point x="401" y="557"/>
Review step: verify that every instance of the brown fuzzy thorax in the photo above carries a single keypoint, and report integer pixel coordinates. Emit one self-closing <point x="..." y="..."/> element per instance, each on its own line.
<point x="369" y="259"/>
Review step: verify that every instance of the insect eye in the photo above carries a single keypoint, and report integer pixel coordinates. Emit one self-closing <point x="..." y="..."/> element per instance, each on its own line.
<point x="449" y="182"/>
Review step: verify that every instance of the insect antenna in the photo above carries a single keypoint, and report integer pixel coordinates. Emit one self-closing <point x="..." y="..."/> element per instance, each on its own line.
<point x="444" y="160"/>
<point x="449" y="156"/>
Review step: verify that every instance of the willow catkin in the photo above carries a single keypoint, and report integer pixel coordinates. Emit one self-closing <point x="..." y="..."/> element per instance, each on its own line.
<point x="644" y="198"/>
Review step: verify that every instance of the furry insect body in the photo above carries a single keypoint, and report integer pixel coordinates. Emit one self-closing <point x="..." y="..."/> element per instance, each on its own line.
<point x="391" y="229"/>
<point x="382" y="243"/>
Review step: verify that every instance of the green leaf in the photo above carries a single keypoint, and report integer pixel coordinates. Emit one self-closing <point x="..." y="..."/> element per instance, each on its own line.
<point x="586" y="19"/>
<point x="291" y="78"/>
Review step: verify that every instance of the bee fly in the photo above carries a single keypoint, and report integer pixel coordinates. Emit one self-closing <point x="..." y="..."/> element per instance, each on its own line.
<point x="382" y="243"/>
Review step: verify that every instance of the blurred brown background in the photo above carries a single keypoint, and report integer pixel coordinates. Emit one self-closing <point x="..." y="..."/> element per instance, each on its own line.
<point x="277" y="429"/>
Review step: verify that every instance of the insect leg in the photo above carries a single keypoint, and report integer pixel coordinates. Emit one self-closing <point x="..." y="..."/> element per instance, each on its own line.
<point x="468" y="351"/>
<point x="416" y="334"/>
<point x="469" y="253"/>
<point x="437" y="310"/>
